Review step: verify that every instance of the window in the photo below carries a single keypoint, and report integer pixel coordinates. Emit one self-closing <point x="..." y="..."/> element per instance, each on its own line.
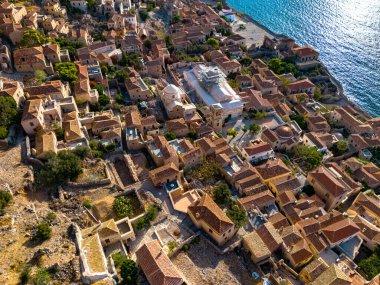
<point x="31" y="124"/>
<point x="210" y="231"/>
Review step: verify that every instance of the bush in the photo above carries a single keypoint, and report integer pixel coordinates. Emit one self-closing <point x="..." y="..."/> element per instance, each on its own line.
<point x="151" y="213"/>
<point x="260" y="115"/>
<point x="65" y="166"/>
<point x="221" y="194"/>
<point x="41" y="277"/>
<point x="371" y="265"/>
<point x="43" y="232"/>
<point x="119" y="99"/>
<point x="237" y="215"/>
<point x="40" y="76"/>
<point x="232" y="132"/>
<point x="118" y="259"/>
<point x="309" y="155"/>
<point x="172" y="245"/>
<point x="82" y="151"/>
<point x="254" y="128"/>
<point x="87" y="204"/>
<point x="5" y="199"/>
<point x="141" y="223"/>
<point x="143" y="15"/>
<point x="186" y="248"/>
<point x="206" y="170"/>
<point x="122" y="206"/>
<point x="170" y="136"/>
<point x="8" y="114"/>
<point x="128" y="271"/>
<point x="281" y="67"/>
<point x="214" y="43"/>
<point x="51" y="216"/>
<point x="59" y="133"/>
<point x="25" y="274"/>
<point x="300" y="120"/>
<point x="67" y="71"/>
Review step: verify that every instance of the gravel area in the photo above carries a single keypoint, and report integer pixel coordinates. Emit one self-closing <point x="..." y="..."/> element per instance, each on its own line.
<point x="203" y="265"/>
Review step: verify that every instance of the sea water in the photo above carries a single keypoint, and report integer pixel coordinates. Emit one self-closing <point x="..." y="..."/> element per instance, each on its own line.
<point x="345" y="32"/>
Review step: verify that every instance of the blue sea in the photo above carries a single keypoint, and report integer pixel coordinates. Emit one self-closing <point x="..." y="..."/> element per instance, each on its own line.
<point x="345" y="32"/>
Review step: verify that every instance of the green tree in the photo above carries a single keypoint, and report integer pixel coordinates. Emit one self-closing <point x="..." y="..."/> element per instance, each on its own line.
<point x="128" y="271"/>
<point x="5" y="199"/>
<point x="43" y="232"/>
<point x="8" y="114"/>
<point x="144" y="15"/>
<point x="170" y="136"/>
<point x="342" y="146"/>
<point x="82" y="151"/>
<point x="122" y="206"/>
<point x="300" y="119"/>
<point x="219" y="6"/>
<point x="33" y="38"/>
<point x="214" y="43"/>
<point x="254" y="128"/>
<point x="310" y="155"/>
<point x="148" y="44"/>
<point x="221" y="194"/>
<point x="104" y="100"/>
<point x="65" y="166"/>
<point x="91" y="5"/>
<point x="151" y="213"/>
<point x="232" y="132"/>
<point x="71" y="46"/>
<point x="175" y="19"/>
<point x="317" y="94"/>
<point x="121" y="75"/>
<point x="67" y="71"/>
<point x="40" y="76"/>
<point x="260" y="115"/>
<point x="237" y="215"/>
<point x="281" y="67"/>
<point x="246" y="61"/>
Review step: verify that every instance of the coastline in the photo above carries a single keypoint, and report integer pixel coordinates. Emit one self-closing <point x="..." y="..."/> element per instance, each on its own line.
<point x="343" y="98"/>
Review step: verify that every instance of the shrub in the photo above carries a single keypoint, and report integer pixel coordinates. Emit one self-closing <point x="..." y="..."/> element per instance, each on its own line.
<point x="254" y="128"/>
<point x="8" y="114"/>
<point x="51" y="216"/>
<point x="43" y="232"/>
<point x="119" y="99"/>
<point x="232" y="132"/>
<point x="128" y="271"/>
<point x="87" y="204"/>
<point x="67" y="71"/>
<point x="143" y="15"/>
<point x="122" y="206"/>
<point x="41" y="277"/>
<point x="172" y="245"/>
<point x="141" y="223"/>
<point x="300" y="119"/>
<point x="221" y="194"/>
<point x="237" y="215"/>
<point x="25" y="274"/>
<point x="260" y="115"/>
<point x="170" y="136"/>
<point x="118" y="259"/>
<point x="5" y="199"/>
<point x="214" y="43"/>
<point x="371" y="265"/>
<point x="82" y="151"/>
<point x="309" y="155"/>
<point x="40" y="76"/>
<point x="65" y="166"/>
<point x="151" y="213"/>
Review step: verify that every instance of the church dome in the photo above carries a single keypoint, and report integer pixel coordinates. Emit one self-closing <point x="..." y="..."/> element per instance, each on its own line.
<point x="284" y="132"/>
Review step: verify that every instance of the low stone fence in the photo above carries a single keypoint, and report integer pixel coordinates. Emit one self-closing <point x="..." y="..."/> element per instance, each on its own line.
<point x="29" y="157"/>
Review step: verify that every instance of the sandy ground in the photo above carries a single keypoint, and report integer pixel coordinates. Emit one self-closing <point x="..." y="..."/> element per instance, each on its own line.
<point x="16" y="246"/>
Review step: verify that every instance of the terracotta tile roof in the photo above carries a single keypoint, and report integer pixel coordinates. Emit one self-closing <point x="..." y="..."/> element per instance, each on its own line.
<point x="301" y="84"/>
<point x="368" y="229"/>
<point x="328" y="181"/>
<point x="332" y="276"/>
<point x="305" y="51"/>
<point x="300" y="252"/>
<point x="164" y="171"/>
<point x="270" y="236"/>
<point x="286" y="197"/>
<point x="278" y="220"/>
<point x="31" y="109"/>
<point x="259" y="200"/>
<point x="207" y="210"/>
<point x="315" y="268"/>
<point x="287" y="183"/>
<point x="340" y="231"/>
<point x="272" y="169"/>
<point x="156" y="265"/>
<point x="45" y="141"/>
<point x="256" y="148"/>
